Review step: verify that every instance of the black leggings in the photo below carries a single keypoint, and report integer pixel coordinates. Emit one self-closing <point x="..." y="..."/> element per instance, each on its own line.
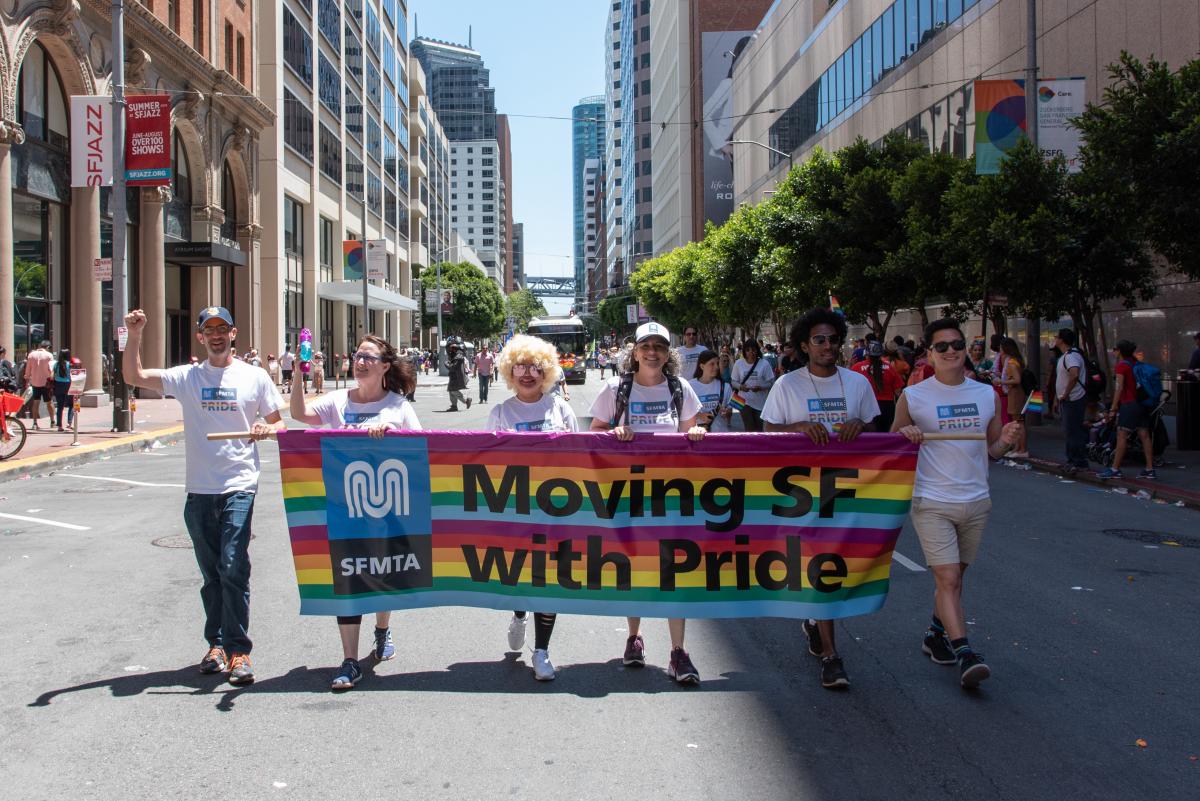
<point x="543" y="627"/>
<point x="355" y="619"/>
<point x="751" y="418"/>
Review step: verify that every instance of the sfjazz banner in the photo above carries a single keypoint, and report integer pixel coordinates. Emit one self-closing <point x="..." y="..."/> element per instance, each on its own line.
<point x="91" y="141"/>
<point x="733" y="526"/>
<point x="148" y="140"/>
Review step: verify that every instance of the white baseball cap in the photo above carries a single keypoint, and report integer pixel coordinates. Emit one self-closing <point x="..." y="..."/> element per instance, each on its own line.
<point x="652" y="329"/>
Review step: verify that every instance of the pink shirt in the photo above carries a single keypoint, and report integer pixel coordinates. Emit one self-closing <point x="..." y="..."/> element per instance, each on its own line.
<point x="37" y="368"/>
<point x="483" y="363"/>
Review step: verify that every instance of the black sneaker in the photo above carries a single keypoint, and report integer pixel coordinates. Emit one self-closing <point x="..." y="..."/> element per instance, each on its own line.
<point x="972" y="670"/>
<point x="635" y="652"/>
<point x="347" y="676"/>
<point x="833" y="673"/>
<point x="240" y="671"/>
<point x="214" y="661"/>
<point x="815" y="645"/>
<point x="681" y="668"/>
<point x="937" y="647"/>
<point x="468" y="403"/>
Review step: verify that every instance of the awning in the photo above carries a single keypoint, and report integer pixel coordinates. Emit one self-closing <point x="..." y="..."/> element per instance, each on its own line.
<point x="204" y="254"/>
<point x="351" y="292"/>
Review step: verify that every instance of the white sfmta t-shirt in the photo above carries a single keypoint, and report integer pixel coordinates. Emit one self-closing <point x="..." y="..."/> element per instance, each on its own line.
<point x="216" y="399"/>
<point x="650" y="408"/>
<point x="551" y="413"/>
<point x="801" y="397"/>
<point x="336" y="410"/>
<point x="952" y="471"/>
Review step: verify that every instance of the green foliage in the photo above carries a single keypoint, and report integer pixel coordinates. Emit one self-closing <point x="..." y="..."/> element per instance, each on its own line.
<point x="671" y="286"/>
<point x="29" y="278"/>
<point x="611" y="313"/>
<point x="522" y="306"/>
<point x="478" y="304"/>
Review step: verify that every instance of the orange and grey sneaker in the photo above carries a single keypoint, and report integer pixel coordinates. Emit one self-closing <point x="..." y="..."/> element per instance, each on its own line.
<point x="240" y="671"/>
<point x="214" y="661"/>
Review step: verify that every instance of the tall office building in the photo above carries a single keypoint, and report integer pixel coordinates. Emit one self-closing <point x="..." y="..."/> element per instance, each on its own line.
<point x="636" y="162"/>
<point x="459" y="88"/>
<point x="613" y="246"/>
<point x="504" y="216"/>
<point x="587" y="143"/>
<point x="693" y="49"/>
<point x="188" y="245"/>
<point x="476" y="201"/>
<point x="518" y="260"/>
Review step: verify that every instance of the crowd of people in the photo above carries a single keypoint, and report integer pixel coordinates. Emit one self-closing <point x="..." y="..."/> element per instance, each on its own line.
<point x="42" y="377"/>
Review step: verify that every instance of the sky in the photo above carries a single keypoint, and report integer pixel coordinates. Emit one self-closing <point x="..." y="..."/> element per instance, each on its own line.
<point x="543" y="57"/>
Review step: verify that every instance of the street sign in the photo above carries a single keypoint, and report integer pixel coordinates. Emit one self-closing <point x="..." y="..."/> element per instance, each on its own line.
<point x="78" y="380"/>
<point x="997" y="299"/>
<point x="122" y="338"/>
<point x="631" y="313"/>
<point x="102" y="269"/>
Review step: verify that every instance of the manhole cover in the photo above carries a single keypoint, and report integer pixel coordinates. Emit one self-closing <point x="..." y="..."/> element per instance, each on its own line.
<point x="1154" y="537"/>
<point x="176" y="541"/>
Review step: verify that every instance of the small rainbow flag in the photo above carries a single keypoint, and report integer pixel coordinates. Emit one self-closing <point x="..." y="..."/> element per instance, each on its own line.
<point x="737" y="402"/>
<point x="1035" y="405"/>
<point x="834" y="305"/>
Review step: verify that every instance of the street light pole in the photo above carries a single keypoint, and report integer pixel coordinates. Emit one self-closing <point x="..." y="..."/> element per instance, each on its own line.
<point x="1033" y="325"/>
<point x="121" y="416"/>
<point x="791" y="164"/>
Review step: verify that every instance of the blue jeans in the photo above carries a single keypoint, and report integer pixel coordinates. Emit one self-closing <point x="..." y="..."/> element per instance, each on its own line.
<point x="219" y="526"/>
<point x="1077" y="436"/>
<point x="484" y="380"/>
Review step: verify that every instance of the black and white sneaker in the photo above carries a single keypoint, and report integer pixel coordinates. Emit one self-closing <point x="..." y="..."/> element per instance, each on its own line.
<point x="816" y="646"/>
<point x="938" y="649"/>
<point x="833" y="673"/>
<point x="972" y="670"/>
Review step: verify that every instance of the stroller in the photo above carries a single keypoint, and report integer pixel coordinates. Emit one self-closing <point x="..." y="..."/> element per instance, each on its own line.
<point x="1102" y="443"/>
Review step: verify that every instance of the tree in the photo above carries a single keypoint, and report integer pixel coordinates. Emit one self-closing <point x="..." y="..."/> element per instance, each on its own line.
<point x="478" y="304"/>
<point x="1143" y="141"/>
<point x="611" y="313"/>
<point x="522" y="306"/>
<point x="737" y="285"/>
<point x="671" y="286"/>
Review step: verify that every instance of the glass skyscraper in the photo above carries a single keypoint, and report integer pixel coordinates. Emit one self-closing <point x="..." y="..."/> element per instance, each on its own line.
<point x="587" y="142"/>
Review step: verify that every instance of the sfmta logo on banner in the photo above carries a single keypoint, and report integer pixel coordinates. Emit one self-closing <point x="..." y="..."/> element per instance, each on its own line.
<point x="377" y="491"/>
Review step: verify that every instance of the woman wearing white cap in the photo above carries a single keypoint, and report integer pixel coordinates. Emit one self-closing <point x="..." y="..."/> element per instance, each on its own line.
<point x="649" y="396"/>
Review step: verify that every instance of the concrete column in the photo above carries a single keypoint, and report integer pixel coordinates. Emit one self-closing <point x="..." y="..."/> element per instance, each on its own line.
<point x="85" y="316"/>
<point x="152" y="285"/>
<point x="200" y="281"/>
<point x="10" y="134"/>
<point x="245" y="308"/>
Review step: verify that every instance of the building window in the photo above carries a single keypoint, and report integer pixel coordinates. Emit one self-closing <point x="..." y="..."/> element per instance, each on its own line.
<point x="326" y="249"/>
<point x="229" y="204"/>
<point x="297" y="126"/>
<point x="330" y="161"/>
<point x="173" y="15"/>
<point x="354" y="54"/>
<point x="41" y="105"/>
<point x="293" y="247"/>
<point x="241" y="59"/>
<point x="354" y="113"/>
<point x="329" y="22"/>
<point x="297" y="46"/>
<point x="329" y="85"/>
<point x="354" y="176"/>
<point x="374" y="139"/>
<point x="197" y="27"/>
<point x="229" y="46"/>
<point x="374" y="193"/>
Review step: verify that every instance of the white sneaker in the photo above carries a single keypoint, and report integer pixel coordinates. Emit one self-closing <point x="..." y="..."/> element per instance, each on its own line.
<point x="543" y="668"/>
<point x="516" y="633"/>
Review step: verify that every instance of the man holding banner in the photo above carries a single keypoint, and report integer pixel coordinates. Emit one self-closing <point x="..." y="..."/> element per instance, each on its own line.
<point x="219" y="394"/>
<point x="950" y="496"/>
<point x="820" y="400"/>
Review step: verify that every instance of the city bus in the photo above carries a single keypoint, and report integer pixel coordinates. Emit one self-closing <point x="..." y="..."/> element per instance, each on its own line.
<point x="568" y="335"/>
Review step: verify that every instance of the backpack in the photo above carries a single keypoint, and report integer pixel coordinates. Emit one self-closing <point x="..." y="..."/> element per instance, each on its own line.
<point x="1093" y="379"/>
<point x="626" y="387"/>
<point x="1029" y="381"/>
<point x="1149" y="384"/>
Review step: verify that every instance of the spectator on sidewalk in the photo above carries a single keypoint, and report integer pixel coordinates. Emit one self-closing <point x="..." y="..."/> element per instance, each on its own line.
<point x="287" y="363"/>
<point x="8" y="372"/>
<point x="1129" y="414"/>
<point x="37" y="375"/>
<point x="1014" y="391"/>
<point x="219" y="394"/>
<point x="1071" y="397"/>
<point x="62" y="386"/>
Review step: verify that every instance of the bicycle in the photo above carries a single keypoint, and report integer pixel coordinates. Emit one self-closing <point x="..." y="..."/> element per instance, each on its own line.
<point x="12" y="430"/>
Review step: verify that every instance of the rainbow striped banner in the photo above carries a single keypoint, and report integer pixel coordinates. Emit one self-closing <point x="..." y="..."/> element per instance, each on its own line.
<point x="737" y="525"/>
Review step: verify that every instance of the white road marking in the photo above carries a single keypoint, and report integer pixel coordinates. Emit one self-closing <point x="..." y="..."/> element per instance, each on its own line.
<point x="71" y="526"/>
<point x="904" y="560"/>
<point x="120" y="480"/>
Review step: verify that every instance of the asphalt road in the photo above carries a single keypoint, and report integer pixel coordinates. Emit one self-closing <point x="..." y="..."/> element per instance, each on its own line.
<point x="1092" y="638"/>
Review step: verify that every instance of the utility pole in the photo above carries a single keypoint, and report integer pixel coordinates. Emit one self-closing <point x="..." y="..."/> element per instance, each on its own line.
<point x="121" y="416"/>
<point x="1033" y="325"/>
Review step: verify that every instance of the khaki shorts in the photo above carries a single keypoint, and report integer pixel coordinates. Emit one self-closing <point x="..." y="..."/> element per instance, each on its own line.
<point x="950" y="533"/>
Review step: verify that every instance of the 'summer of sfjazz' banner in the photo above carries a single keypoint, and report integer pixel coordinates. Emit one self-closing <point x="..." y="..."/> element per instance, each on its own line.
<point x="733" y="526"/>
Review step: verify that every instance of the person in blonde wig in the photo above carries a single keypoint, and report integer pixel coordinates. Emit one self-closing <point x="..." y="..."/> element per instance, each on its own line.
<point x="529" y="367"/>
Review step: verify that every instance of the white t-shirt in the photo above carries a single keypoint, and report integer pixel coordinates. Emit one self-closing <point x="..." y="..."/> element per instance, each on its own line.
<point x="551" y="413"/>
<point x="221" y="399"/>
<point x="688" y="358"/>
<point x="650" y="408"/>
<point x="801" y="397"/>
<point x="952" y="471"/>
<point x="287" y="360"/>
<point x="336" y="410"/>
<point x="762" y="376"/>
<point x="711" y="398"/>
<point x="1062" y="375"/>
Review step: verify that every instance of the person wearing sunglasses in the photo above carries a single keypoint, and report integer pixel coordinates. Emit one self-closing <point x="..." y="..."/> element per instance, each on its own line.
<point x="377" y="405"/>
<point x="689" y="351"/>
<point x="822" y="400"/>
<point x="529" y="368"/>
<point x="752" y="377"/>
<point x="951" y="500"/>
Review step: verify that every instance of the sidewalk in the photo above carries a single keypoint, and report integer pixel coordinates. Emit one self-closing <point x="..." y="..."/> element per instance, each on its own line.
<point x="1178" y="479"/>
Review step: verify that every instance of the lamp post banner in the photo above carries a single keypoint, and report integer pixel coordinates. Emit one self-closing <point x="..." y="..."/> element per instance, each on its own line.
<point x="749" y="525"/>
<point x="148" y="140"/>
<point x="91" y="141"/>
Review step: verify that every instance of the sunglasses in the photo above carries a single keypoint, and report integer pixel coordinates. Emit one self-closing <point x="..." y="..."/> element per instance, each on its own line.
<point x="363" y="356"/>
<point x="219" y="330"/>
<point x="689" y="333"/>
<point x="527" y="369"/>
<point x="821" y="339"/>
<point x="942" y="347"/>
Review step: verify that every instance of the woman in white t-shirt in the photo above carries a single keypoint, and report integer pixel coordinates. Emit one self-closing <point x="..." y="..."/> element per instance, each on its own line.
<point x="752" y="377"/>
<point x="651" y="407"/>
<point x="376" y="405"/>
<point x="529" y="367"/>
<point x="713" y="391"/>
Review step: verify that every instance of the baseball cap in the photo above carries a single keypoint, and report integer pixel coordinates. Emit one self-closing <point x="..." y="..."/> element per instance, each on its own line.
<point x="220" y="312"/>
<point x="874" y="349"/>
<point x="652" y="329"/>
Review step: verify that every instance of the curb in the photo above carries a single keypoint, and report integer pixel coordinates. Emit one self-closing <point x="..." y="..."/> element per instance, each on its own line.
<point x="1157" y="491"/>
<point x="87" y="453"/>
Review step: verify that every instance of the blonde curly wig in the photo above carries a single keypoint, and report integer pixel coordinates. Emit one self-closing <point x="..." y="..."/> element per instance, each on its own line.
<point x="524" y="349"/>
